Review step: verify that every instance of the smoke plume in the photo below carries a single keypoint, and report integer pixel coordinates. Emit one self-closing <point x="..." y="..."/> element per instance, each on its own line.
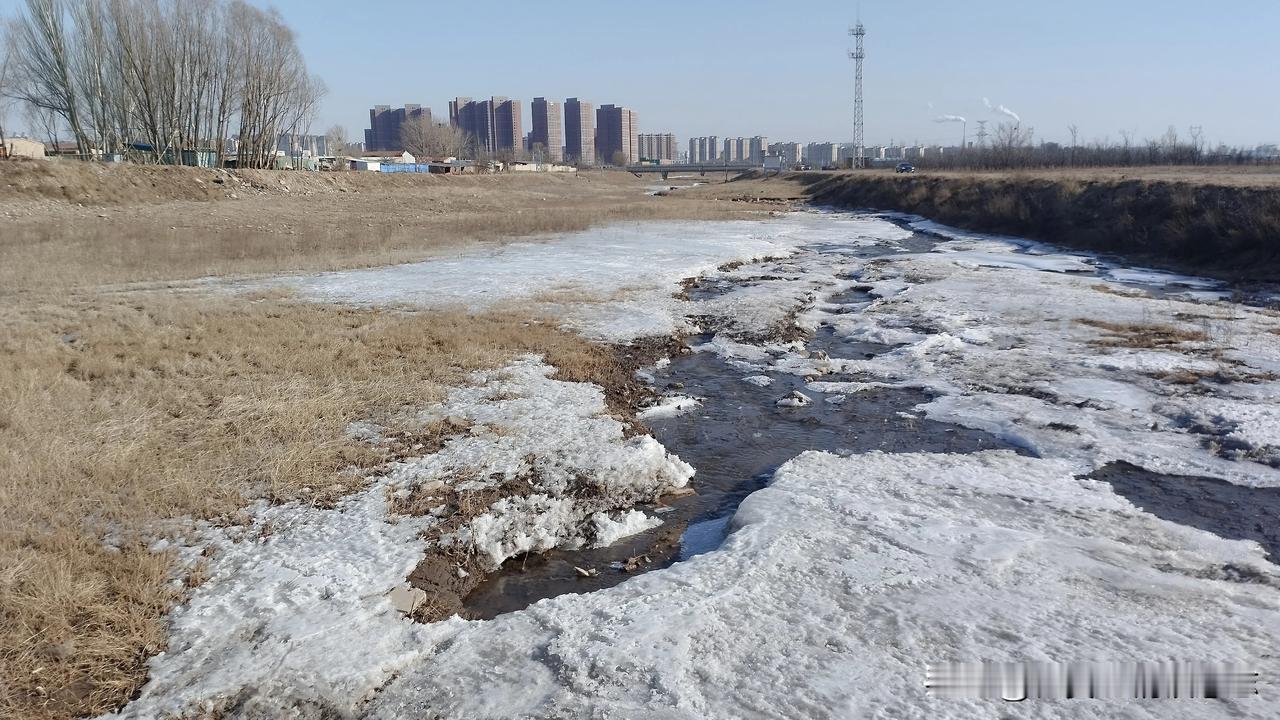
<point x="949" y="118"/>
<point x="1001" y="110"/>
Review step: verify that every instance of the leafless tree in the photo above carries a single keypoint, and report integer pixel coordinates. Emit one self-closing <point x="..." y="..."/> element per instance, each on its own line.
<point x="5" y="55"/>
<point x="43" y="65"/>
<point x="1075" y="140"/>
<point x="335" y="140"/>
<point x="423" y="138"/>
<point x="175" y="74"/>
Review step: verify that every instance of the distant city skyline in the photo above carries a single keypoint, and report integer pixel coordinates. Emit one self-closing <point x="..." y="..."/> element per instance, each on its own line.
<point x="1108" y="68"/>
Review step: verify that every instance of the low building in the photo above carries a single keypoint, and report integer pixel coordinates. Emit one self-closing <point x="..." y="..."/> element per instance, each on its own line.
<point x="22" y="147"/>
<point x="521" y="166"/>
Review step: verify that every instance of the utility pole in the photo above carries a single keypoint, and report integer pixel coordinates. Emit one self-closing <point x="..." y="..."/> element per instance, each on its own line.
<point x="858" y="32"/>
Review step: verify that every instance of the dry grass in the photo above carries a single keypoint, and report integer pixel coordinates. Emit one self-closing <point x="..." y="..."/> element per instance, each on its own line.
<point x="326" y="222"/>
<point x="1142" y="335"/>
<point x="126" y="411"/>
<point x="118" y="412"/>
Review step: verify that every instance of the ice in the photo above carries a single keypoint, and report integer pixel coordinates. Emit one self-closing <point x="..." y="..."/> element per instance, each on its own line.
<point x="727" y="348"/>
<point x="623" y="300"/>
<point x="844" y="578"/>
<point x="609" y="530"/>
<point x="1146" y="276"/>
<point x="795" y="399"/>
<point x="669" y="406"/>
<point x="553" y="437"/>
<point x="295" y="608"/>
<point x="1055" y="364"/>
<point x="296" y="613"/>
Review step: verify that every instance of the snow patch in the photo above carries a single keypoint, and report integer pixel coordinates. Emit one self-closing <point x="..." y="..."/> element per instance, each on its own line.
<point x="632" y="522"/>
<point x="669" y="406"/>
<point x="843" y="578"/>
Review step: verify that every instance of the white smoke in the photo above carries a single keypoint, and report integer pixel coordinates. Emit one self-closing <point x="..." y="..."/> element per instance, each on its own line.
<point x="949" y="118"/>
<point x="1006" y="111"/>
<point x="1001" y="110"/>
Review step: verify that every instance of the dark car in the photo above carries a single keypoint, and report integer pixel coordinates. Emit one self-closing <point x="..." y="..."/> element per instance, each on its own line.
<point x="905" y="168"/>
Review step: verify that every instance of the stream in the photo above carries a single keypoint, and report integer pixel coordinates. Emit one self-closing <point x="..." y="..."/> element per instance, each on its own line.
<point x="739" y="436"/>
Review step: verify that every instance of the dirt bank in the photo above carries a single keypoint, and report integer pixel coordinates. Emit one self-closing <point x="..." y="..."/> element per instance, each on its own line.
<point x="68" y="225"/>
<point x="1212" y="224"/>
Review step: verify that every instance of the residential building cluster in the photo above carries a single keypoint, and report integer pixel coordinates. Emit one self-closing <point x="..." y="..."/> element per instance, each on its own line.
<point x="709" y="149"/>
<point x="495" y="124"/>
<point x="659" y="147"/>
<point x="575" y="131"/>
<point x="704" y="149"/>
<point x="384" y="125"/>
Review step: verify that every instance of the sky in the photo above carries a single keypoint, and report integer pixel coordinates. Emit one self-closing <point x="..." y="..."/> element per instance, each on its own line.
<point x="750" y="67"/>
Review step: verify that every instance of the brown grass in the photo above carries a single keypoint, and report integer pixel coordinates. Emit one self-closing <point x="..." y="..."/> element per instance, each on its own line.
<point x="117" y="412"/>
<point x="1141" y="335"/>
<point x="326" y="222"/>
<point x="127" y="411"/>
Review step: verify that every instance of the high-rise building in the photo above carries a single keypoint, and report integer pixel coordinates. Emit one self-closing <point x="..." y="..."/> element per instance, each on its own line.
<point x="313" y="145"/>
<point x="579" y="132"/>
<point x="791" y="153"/>
<point x="704" y="149"/>
<point x="757" y="148"/>
<point x="383" y="134"/>
<point x="736" y="149"/>
<point x="660" y="147"/>
<point x="547" y="129"/>
<point x="495" y="124"/>
<point x="475" y="120"/>
<point x="821" y="155"/>
<point x="617" y="135"/>
<point x="508" y="126"/>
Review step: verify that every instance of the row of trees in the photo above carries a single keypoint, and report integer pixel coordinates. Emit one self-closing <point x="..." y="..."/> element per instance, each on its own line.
<point x="1012" y="146"/>
<point x="175" y="75"/>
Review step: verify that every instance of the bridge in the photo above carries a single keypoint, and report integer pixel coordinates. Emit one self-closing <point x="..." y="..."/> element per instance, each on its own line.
<point x="699" y="168"/>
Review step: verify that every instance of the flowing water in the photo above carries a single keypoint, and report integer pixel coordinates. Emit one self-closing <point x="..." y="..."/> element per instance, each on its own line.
<point x="735" y="441"/>
<point x="739" y="436"/>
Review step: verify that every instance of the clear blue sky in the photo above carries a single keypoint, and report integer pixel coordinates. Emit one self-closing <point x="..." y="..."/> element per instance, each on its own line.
<point x="751" y="67"/>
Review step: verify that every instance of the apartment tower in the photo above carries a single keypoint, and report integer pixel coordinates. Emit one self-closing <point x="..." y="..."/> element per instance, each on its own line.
<point x="383" y="134"/>
<point x="617" y="136"/>
<point x="547" y="130"/>
<point x="508" y="127"/>
<point x="660" y="147"/>
<point x="495" y="124"/>
<point x="579" y="132"/>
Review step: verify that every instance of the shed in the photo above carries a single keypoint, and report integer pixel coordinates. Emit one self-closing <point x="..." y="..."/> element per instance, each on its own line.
<point x="23" y="147"/>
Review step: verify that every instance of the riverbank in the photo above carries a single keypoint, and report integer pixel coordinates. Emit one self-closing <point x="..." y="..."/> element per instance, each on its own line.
<point x="71" y="225"/>
<point x="1197" y="221"/>
<point x="142" y="410"/>
<point x="937" y="495"/>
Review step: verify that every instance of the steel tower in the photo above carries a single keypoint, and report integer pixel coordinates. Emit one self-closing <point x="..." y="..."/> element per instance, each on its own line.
<point x="858" y="32"/>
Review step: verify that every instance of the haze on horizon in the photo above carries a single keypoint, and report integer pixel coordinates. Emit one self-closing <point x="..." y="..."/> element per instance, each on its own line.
<point x="750" y="67"/>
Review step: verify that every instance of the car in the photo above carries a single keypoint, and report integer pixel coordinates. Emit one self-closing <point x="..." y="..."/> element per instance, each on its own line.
<point x="905" y="168"/>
